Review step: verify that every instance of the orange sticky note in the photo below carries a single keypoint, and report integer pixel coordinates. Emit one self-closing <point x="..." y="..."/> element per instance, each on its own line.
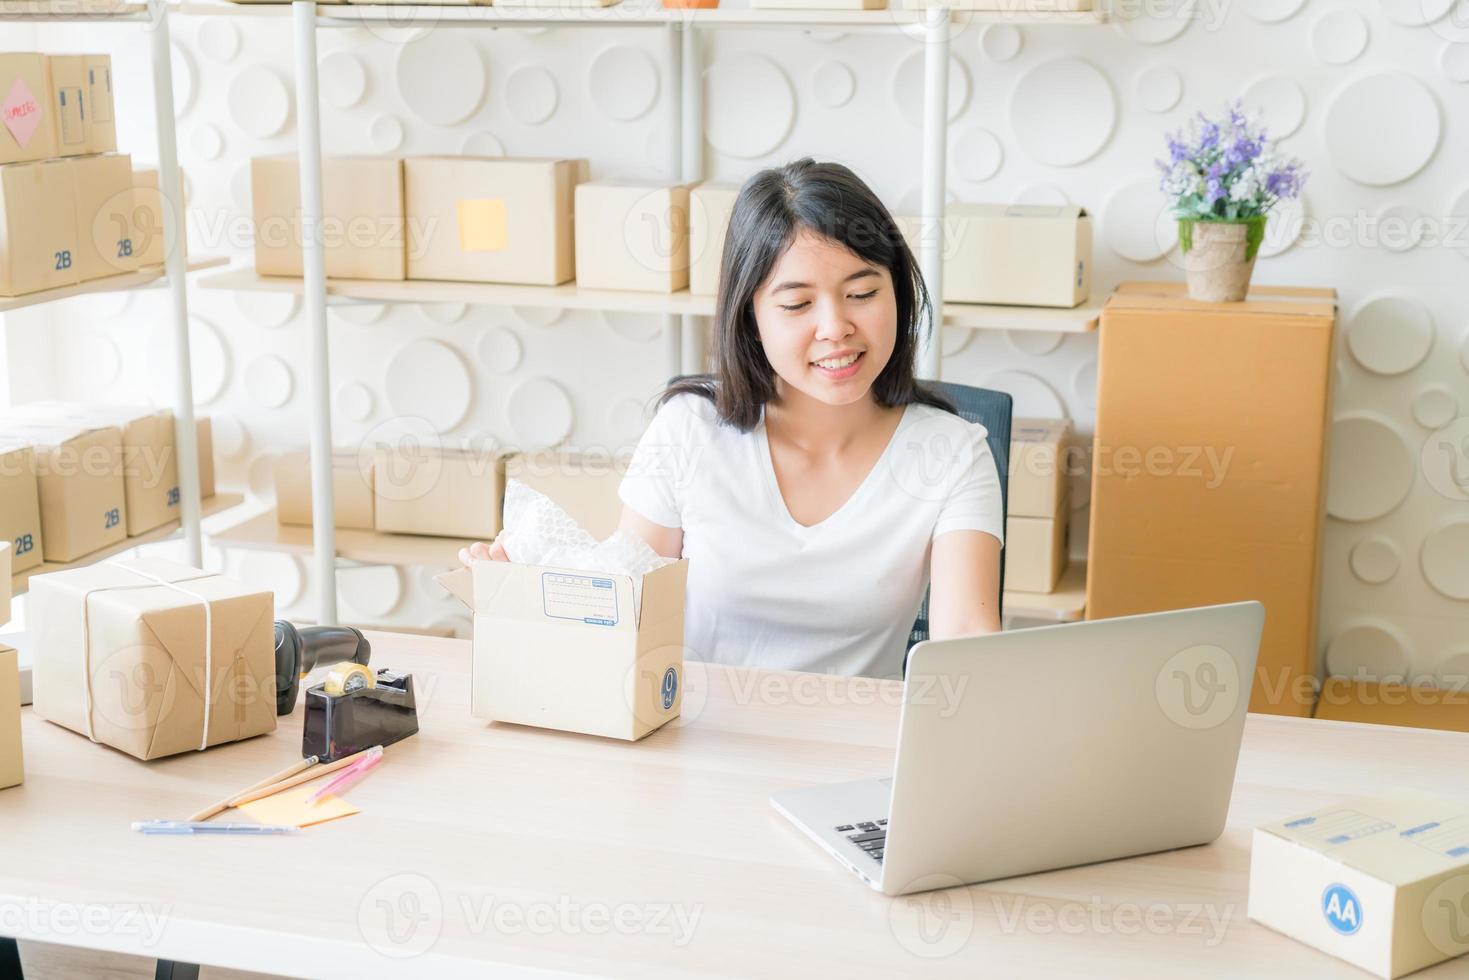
<point x="289" y="807"/>
<point x="482" y="225"/>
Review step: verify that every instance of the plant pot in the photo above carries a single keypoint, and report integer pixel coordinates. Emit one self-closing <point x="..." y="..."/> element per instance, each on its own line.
<point x="1219" y="257"/>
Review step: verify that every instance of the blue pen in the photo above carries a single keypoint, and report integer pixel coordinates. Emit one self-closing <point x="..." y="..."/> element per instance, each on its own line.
<point x="203" y="827"/>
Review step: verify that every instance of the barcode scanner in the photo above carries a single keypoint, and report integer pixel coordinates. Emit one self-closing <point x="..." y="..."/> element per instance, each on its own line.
<point x="300" y="650"/>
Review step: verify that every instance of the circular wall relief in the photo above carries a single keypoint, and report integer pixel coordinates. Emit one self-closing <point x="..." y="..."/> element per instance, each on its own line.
<point x="1036" y="343"/>
<point x="219" y="39"/>
<point x="386" y="133"/>
<point x="1390" y="334"/>
<point x="423" y="67"/>
<point x="1383" y="128"/>
<point x="628" y="421"/>
<point x="1034" y="398"/>
<point x="343" y="79"/>
<point x="1375" y="560"/>
<point x="372" y="590"/>
<point x="540" y="413"/>
<point x="269" y="381"/>
<point x="482" y="144"/>
<point x="1063" y="112"/>
<point x="1371" y="469"/>
<point x="1159" y="88"/>
<point x="978" y="155"/>
<point x="1435" y="407"/>
<point x="1369" y="651"/>
<point x="908" y="88"/>
<point x="360" y="314"/>
<point x="1400" y="228"/>
<point x="640" y="328"/>
<point x="267" y="309"/>
<point x="749" y="106"/>
<point x="623" y="82"/>
<point x="103" y="362"/>
<point x="1280" y="101"/>
<point x="427" y="379"/>
<point x="1001" y="42"/>
<point x="445" y="313"/>
<point x="1415" y="13"/>
<point x="1157" y="21"/>
<point x="207" y="142"/>
<point x="500" y="350"/>
<point x="1084" y="383"/>
<point x="259" y="102"/>
<point x="355" y="401"/>
<point x="1284" y="226"/>
<point x="833" y="84"/>
<point x="1453" y="59"/>
<point x="231" y="439"/>
<point x="538" y="316"/>
<point x="1137" y="224"/>
<point x="1445" y="559"/>
<point x="955" y="340"/>
<point x="531" y="94"/>
<point x="277" y="572"/>
<point x="1272" y="11"/>
<point x="1339" y="36"/>
<point x="1044" y="194"/>
<point x="183" y="80"/>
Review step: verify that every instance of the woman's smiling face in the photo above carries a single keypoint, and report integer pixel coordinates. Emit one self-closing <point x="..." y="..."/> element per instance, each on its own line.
<point x="828" y="319"/>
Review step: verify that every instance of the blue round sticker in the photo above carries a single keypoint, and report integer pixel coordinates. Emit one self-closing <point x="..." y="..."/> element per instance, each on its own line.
<point x="1342" y="909"/>
<point x="670" y="687"/>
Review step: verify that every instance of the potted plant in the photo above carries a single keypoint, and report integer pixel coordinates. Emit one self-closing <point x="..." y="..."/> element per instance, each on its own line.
<point x="1223" y="178"/>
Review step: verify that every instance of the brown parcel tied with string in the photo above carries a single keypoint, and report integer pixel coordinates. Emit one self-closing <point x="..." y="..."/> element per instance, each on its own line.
<point x="122" y="654"/>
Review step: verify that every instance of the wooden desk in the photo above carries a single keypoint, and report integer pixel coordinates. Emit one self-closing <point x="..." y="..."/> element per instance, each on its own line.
<point x="511" y="851"/>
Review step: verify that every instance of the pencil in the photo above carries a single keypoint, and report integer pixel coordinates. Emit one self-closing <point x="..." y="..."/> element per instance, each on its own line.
<point x="299" y="778"/>
<point x="229" y="801"/>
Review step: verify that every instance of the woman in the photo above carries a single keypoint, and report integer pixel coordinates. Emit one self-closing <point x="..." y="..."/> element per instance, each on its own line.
<point x="813" y="485"/>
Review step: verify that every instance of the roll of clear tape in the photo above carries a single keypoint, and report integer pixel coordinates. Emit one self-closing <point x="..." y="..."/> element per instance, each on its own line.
<point x="348" y="678"/>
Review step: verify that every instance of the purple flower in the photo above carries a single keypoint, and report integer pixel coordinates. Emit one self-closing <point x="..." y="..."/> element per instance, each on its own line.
<point x="1209" y="135"/>
<point x="1215" y="189"/>
<point x="1177" y="152"/>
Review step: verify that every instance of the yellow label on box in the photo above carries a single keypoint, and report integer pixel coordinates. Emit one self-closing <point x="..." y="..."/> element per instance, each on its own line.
<point x="482" y="225"/>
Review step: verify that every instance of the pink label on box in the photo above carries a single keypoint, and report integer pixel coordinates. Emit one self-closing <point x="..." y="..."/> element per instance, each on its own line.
<point x="20" y="112"/>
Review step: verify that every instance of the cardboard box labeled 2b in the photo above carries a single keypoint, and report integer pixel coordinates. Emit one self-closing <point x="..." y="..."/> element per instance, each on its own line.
<point x="565" y="649"/>
<point x="38" y="227"/>
<point x="160" y="683"/>
<point x="20" y="504"/>
<point x="362" y="230"/>
<point x="632" y="234"/>
<point x="1381" y="882"/>
<point x="492" y="219"/>
<point x="79" y="482"/>
<point x="107" y="236"/>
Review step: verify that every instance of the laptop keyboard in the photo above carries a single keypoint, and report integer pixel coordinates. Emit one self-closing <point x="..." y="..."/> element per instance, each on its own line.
<point x="870" y="835"/>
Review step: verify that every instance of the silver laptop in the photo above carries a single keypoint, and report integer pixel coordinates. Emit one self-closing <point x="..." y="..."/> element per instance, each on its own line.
<point x="1049" y="747"/>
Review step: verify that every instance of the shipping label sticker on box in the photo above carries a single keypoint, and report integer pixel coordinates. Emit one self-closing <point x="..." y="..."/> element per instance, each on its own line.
<point x="585" y="598"/>
<point x="99" y="81"/>
<point x="21" y="112"/>
<point x="1340" y="827"/>
<point x="73" y="128"/>
<point x="483" y="225"/>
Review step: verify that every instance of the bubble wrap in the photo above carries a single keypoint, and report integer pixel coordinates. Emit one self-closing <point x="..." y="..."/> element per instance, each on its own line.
<point x="538" y="532"/>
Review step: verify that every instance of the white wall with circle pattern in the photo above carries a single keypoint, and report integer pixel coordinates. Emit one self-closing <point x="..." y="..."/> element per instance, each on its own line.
<point x="1372" y="93"/>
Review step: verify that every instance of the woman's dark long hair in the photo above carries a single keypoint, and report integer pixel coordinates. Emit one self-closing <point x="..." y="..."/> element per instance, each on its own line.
<point x="772" y="206"/>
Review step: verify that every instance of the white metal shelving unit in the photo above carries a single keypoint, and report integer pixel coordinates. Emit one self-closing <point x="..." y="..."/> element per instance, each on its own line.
<point x="682" y="338"/>
<point x="153" y="16"/>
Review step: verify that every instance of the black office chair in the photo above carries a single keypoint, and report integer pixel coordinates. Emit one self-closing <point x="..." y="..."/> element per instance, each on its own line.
<point x="991" y="409"/>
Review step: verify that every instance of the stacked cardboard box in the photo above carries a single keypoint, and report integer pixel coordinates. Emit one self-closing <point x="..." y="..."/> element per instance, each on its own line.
<point x="79" y="482"/>
<point x="20" y="503"/>
<point x="710" y="208"/>
<point x="632" y="234"/>
<point x="446" y="492"/>
<point x="352" y="489"/>
<point x="362" y="228"/>
<point x="1036" y="526"/>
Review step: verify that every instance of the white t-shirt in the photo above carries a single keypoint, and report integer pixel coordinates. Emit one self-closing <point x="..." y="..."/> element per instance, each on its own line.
<point x="837" y="597"/>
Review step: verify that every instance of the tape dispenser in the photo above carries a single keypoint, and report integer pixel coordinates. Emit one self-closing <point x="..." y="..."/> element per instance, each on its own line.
<point x="356" y="707"/>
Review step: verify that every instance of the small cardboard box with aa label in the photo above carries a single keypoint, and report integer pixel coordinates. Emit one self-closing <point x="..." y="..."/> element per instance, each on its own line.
<point x="1381" y="882"/>
<point x="571" y="650"/>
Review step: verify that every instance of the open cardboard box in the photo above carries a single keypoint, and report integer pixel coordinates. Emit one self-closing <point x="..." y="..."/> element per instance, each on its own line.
<point x="563" y="648"/>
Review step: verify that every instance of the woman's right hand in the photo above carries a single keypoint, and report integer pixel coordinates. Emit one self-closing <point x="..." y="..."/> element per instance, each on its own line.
<point x="480" y="551"/>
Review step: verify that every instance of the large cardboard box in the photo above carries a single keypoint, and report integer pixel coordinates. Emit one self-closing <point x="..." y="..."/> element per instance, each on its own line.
<point x="150" y="470"/>
<point x="1037" y="482"/>
<point x="1381" y="882"/>
<point x="70" y="93"/>
<point x="448" y="492"/>
<point x="122" y="655"/>
<point x="12" y="766"/>
<point x="79" y="482"/>
<point x="20" y="504"/>
<point x="27" y="124"/>
<point x="1406" y="705"/>
<point x="1035" y="551"/>
<point x="107" y="232"/>
<point x="566" y="649"/>
<point x="362" y="230"/>
<point x="710" y="208"/>
<point x="492" y="219"/>
<point x="148" y="213"/>
<point x="38" y="227"/>
<point x="1018" y="254"/>
<point x="583" y="484"/>
<point x="1208" y="469"/>
<point x="352" y="494"/>
<point x="102" y="125"/>
<point x="632" y="234"/>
